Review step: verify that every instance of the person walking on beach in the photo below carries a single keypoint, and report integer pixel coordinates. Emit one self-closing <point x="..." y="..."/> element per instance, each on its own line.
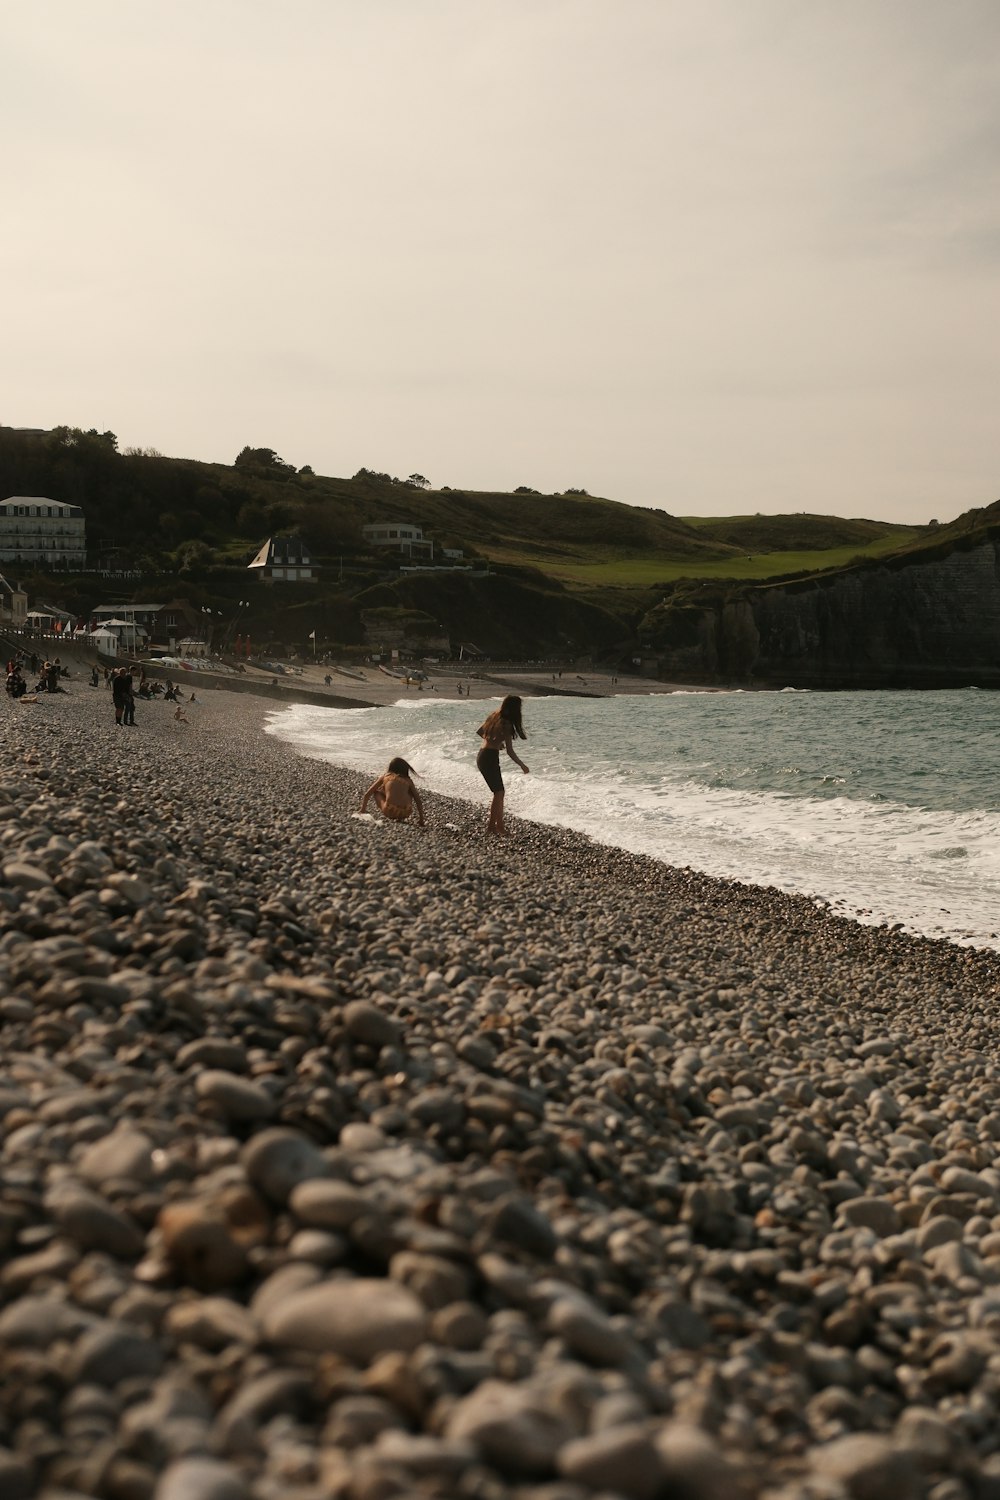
<point x="498" y="732"/>
<point x="395" y="793"/>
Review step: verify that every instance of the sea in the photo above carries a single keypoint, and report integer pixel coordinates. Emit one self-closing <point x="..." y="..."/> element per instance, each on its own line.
<point x="882" y="806"/>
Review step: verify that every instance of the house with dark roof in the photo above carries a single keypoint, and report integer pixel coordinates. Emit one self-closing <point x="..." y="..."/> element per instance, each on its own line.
<point x="284" y="559"/>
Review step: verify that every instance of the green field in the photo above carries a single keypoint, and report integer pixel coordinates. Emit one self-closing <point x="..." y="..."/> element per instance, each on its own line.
<point x="608" y="565"/>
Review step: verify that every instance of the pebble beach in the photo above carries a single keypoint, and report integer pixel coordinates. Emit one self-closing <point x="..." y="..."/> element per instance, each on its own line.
<point x="344" y="1160"/>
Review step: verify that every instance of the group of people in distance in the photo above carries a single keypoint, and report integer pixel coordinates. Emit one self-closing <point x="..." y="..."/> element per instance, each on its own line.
<point x="48" y="676"/>
<point x="396" y="796"/>
<point x="123" y="693"/>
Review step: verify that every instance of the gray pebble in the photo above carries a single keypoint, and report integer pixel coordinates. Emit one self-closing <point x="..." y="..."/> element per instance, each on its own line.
<point x="356" y="1318"/>
<point x="201" y="1479"/>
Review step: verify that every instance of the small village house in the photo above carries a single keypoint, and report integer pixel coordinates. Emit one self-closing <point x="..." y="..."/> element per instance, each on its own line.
<point x="13" y="605"/>
<point x="401" y="537"/>
<point x="284" y="559"/>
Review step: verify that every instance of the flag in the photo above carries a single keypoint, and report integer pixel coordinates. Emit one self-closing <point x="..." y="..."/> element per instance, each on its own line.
<point x="312" y="635"/>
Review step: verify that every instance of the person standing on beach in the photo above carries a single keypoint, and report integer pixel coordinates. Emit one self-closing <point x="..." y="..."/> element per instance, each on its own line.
<point x="129" y="719"/>
<point x="497" y="733"/>
<point x="119" y="693"/>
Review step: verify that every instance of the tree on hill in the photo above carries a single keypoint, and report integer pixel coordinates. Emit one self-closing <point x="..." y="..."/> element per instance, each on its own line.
<point x="75" y="437"/>
<point x="263" y="461"/>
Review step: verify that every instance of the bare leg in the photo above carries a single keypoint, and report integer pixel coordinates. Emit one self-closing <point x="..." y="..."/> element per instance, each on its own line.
<point x="495" y="824"/>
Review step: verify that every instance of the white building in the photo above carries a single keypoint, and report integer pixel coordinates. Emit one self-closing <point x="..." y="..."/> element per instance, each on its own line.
<point x="402" y="537"/>
<point x="34" y="529"/>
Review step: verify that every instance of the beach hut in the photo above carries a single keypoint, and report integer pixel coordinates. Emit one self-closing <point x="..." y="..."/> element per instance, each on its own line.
<point x="104" y="641"/>
<point x="127" y="633"/>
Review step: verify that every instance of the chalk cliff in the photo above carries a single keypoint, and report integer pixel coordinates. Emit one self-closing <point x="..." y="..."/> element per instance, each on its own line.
<point x="899" y="623"/>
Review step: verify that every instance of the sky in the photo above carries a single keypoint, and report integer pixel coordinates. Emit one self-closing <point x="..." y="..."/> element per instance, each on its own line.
<point x="712" y="256"/>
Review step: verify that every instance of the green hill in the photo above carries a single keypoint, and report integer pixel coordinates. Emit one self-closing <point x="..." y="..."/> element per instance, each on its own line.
<point x="799" y="533"/>
<point x="566" y="572"/>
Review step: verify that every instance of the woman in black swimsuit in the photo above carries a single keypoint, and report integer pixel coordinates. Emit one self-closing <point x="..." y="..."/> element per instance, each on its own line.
<point x="498" y="732"/>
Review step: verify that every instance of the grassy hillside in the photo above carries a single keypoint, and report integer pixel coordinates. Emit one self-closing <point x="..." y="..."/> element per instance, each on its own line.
<point x="565" y="569"/>
<point x="801" y="533"/>
<point x="153" y="512"/>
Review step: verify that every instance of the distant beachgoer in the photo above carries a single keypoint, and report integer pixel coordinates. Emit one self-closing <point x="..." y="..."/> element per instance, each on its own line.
<point x="497" y="732"/>
<point x="129" y="719"/>
<point x="95" y="677"/>
<point x="180" y="715"/>
<point x="328" y="680"/>
<point x="395" y="793"/>
<point x="120" y="692"/>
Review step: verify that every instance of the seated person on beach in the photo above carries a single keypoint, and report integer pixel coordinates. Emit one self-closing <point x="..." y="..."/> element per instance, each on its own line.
<point x="395" y="793"/>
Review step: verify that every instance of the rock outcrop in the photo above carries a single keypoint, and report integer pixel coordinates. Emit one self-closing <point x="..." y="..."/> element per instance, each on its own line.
<point x="894" y="624"/>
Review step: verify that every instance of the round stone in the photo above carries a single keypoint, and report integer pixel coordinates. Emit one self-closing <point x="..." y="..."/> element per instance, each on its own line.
<point x="356" y="1318"/>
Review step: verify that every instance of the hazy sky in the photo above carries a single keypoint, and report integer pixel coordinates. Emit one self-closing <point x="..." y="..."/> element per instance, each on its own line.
<point x="711" y="255"/>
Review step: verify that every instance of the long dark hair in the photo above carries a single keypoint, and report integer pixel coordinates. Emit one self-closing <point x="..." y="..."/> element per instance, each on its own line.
<point x="399" y="767"/>
<point x="510" y="713"/>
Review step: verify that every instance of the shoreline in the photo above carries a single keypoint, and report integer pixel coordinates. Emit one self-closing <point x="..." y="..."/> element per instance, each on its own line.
<point x="862" y="908"/>
<point x="369" y="687"/>
<point x="347" y="1155"/>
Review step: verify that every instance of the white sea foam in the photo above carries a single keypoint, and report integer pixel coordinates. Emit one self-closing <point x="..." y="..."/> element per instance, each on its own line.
<point x="714" y="787"/>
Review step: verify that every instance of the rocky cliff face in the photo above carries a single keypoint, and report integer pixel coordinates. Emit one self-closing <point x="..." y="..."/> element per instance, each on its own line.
<point x="928" y="624"/>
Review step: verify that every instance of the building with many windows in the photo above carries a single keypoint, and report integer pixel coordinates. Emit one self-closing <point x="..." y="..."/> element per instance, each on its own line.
<point x="36" y="530"/>
<point x="401" y="537"/>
